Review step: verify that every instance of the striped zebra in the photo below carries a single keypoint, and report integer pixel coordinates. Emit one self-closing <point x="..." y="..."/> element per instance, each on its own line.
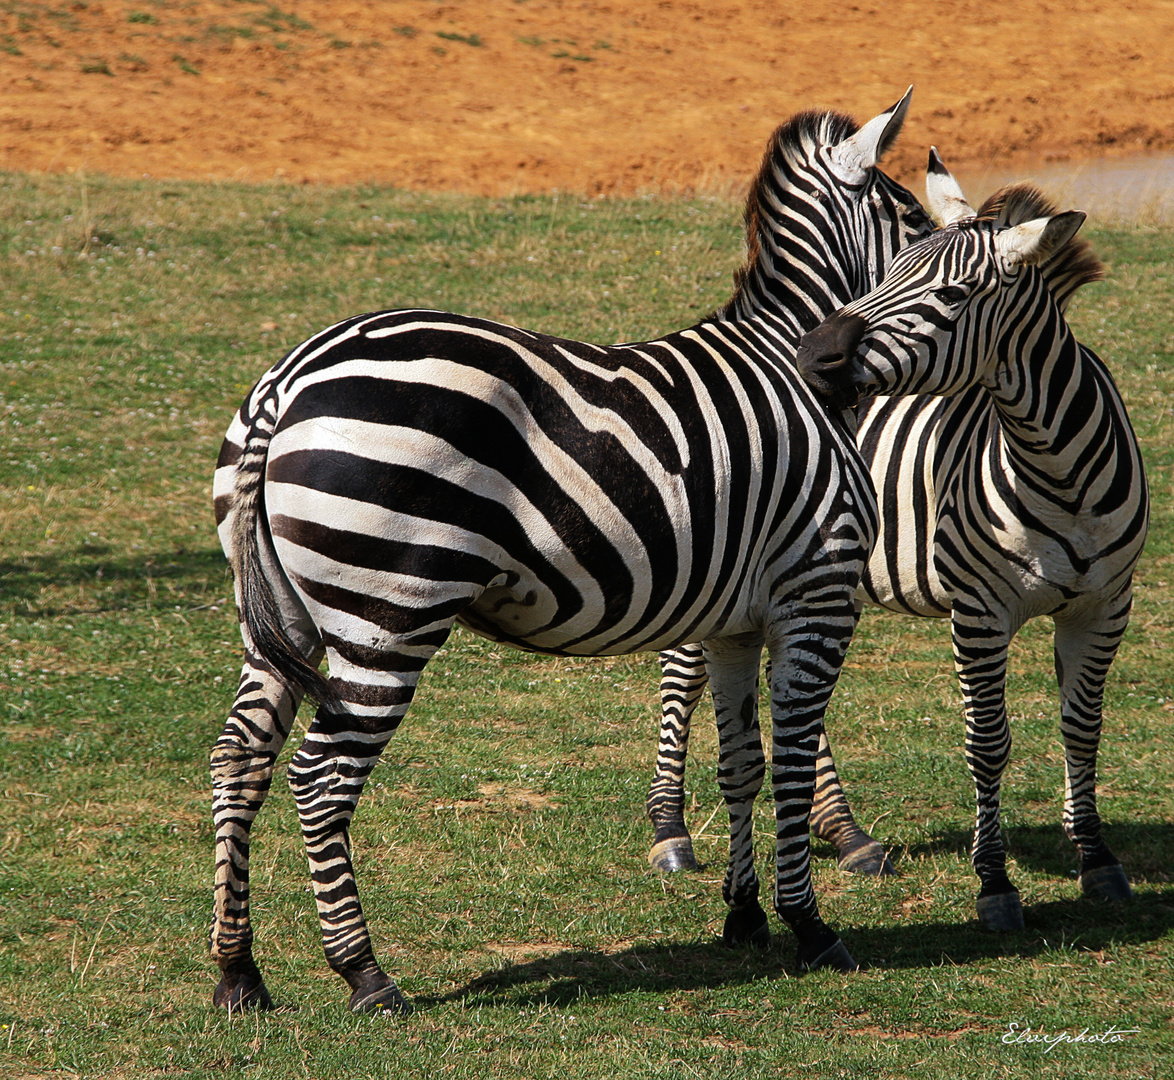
<point x="1024" y="496"/>
<point x="404" y="470"/>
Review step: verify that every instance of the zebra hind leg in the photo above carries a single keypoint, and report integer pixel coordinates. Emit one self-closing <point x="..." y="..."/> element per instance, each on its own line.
<point x="682" y="683"/>
<point x="1083" y="656"/>
<point x="326" y="776"/>
<point x="683" y="680"/>
<point x="242" y="769"/>
<point x="831" y="819"/>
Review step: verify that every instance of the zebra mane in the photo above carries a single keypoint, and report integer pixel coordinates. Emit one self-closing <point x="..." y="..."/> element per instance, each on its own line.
<point x="793" y="142"/>
<point x="1074" y="265"/>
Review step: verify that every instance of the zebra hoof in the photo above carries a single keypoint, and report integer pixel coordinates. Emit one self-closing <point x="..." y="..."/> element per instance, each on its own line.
<point x="675" y="853"/>
<point x="746" y="926"/>
<point x="1106" y="883"/>
<point x="242" y="989"/>
<point x="386" y="1000"/>
<point x="821" y="947"/>
<point x="1001" y="912"/>
<point x="837" y="958"/>
<point x="870" y="860"/>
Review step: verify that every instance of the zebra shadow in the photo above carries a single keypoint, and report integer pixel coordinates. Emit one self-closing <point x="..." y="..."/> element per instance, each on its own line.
<point x="563" y="979"/>
<point x="1145" y="848"/>
<point x="96" y="579"/>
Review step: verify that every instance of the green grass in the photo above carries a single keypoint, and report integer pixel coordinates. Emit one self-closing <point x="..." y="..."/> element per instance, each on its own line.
<point x="501" y="841"/>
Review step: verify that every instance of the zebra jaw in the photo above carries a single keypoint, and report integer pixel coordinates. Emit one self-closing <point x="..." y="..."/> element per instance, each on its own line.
<point x="828" y="359"/>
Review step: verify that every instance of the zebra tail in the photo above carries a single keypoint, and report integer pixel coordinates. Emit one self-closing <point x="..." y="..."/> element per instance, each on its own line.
<point x="259" y="609"/>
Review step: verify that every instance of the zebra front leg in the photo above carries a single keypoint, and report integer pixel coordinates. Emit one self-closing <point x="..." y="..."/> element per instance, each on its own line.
<point x="733" y="671"/>
<point x="980" y="656"/>
<point x="1084" y="654"/>
<point x="242" y="769"/>
<point x="831" y="816"/>
<point x="326" y="776"/>
<point x="806" y="653"/>
<point x="832" y="820"/>
<point x="682" y="682"/>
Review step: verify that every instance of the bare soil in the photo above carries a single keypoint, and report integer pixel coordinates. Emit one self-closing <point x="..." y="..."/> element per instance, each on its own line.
<point x="516" y="96"/>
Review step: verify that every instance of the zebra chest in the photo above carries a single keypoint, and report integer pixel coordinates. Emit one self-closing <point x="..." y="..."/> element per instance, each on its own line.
<point x="1038" y="560"/>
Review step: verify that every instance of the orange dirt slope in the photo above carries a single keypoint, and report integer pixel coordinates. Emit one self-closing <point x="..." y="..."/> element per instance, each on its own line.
<point x="509" y="96"/>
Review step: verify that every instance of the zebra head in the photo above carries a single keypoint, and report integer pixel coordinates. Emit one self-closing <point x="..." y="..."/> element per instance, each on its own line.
<point x="822" y="221"/>
<point x="946" y="313"/>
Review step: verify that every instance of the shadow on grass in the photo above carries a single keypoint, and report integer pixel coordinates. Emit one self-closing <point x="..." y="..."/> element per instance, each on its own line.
<point x="567" y="977"/>
<point x="1145" y="848"/>
<point x="95" y="580"/>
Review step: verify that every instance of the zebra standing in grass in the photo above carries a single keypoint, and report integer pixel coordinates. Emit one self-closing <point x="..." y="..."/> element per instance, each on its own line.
<point x="405" y="470"/>
<point x="1024" y="496"/>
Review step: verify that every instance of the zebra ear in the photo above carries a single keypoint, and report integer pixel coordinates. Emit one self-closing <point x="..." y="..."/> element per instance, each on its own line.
<point x="858" y="153"/>
<point x="942" y="194"/>
<point x="1035" y="241"/>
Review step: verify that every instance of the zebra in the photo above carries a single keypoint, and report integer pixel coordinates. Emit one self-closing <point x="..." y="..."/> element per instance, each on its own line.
<point x="1024" y="496"/>
<point x="893" y="434"/>
<point x="402" y="471"/>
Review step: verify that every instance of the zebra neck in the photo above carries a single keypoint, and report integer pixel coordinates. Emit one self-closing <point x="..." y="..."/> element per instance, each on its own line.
<point x="1060" y="416"/>
<point x="794" y="304"/>
<point x="803" y="263"/>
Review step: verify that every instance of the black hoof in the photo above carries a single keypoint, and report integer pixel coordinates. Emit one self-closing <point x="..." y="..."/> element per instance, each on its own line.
<point x="1106" y="883"/>
<point x="1001" y="912"/>
<point x="837" y="958"/>
<point x="869" y="860"/>
<point x="384" y="999"/>
<point x="821" y="947"/>
<point x="241" y="988"/>
<point x="747" y="926"/>
<point x="673" y="854"/>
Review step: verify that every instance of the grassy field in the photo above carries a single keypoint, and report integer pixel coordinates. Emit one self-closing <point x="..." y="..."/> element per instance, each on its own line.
<point x="501" y="842"/>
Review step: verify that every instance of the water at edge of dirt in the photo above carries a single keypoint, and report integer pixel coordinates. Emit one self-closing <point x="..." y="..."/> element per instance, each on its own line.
<point x="1136" y="189"/>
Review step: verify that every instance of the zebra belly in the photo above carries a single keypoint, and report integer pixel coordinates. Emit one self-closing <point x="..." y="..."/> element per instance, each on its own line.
<point x="902" y="572"/>
<point x="898" y="439"/>
<point x="502" y="615"/>
<point x="1039" y="574"/>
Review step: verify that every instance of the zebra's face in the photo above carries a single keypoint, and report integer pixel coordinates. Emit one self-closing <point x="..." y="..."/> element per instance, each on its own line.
<point x="939" y="321"/>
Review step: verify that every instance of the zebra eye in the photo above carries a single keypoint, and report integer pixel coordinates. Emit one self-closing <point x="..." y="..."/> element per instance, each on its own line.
<point x="916" y="218"/>
<point x="950" y="294"/>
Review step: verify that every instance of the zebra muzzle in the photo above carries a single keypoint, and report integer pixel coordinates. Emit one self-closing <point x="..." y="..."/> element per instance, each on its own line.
<point x="828" y="360"/>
